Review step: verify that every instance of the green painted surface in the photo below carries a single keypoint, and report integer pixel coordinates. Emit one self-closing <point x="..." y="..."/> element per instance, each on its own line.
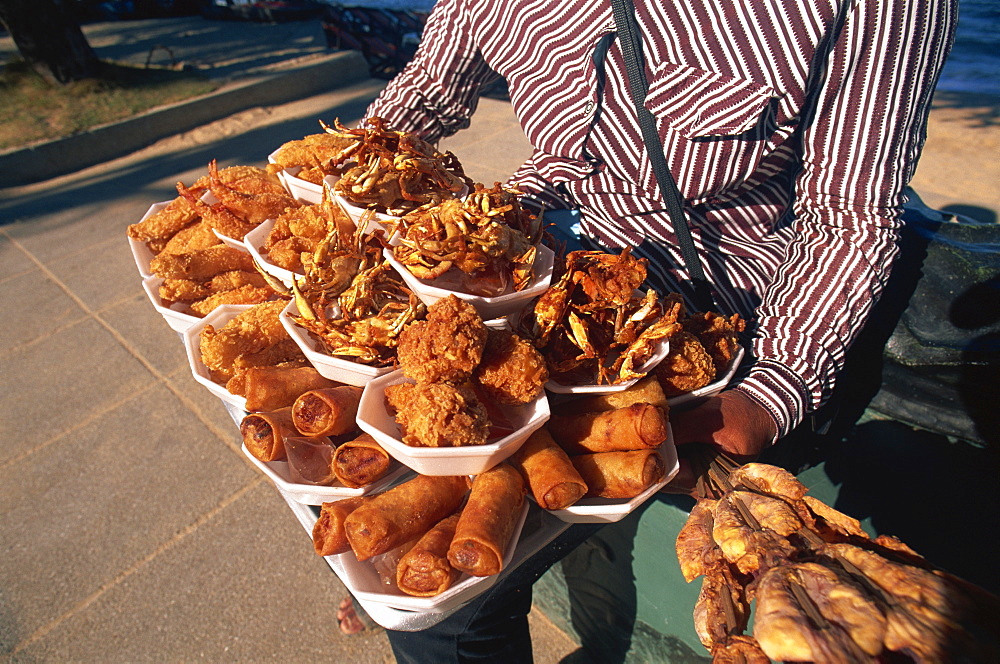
<point x="926" y="489"/>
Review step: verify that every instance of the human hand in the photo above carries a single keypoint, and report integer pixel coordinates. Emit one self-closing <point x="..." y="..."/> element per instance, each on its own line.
<point x="731" y="422"/>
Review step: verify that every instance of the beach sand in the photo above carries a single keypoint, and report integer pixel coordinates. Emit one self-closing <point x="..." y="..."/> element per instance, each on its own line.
<point x="959" y="169"/>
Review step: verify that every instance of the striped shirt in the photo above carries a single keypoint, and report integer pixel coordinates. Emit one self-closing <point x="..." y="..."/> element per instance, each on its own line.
<point x="790" y="126"/>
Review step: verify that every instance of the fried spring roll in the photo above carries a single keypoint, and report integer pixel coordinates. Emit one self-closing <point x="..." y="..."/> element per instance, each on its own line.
<point x="271" y="388"/>
<point x="647" y="390"/>
<point x="619" y="475"/>
<point x="329" y="537"/>
<point x="330" y="411"/>
<point x="487" y="521"/>
<point x="403" y="513"/>
<point x="425" y="571"/>
<point x="548" y="472"/>
<point x="264" y="433"/>
<point x="359" y="462"/>
<point x="635" y="427"/>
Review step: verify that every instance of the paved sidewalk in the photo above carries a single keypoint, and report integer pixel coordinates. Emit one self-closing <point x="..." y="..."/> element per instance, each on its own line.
<point x="132" y="529"/>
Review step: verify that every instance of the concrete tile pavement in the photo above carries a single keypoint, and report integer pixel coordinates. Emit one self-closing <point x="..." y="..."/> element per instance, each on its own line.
<point x="131" y="526"/>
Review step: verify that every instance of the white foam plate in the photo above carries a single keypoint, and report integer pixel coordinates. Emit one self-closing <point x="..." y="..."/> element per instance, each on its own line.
<point x="175" y="315"/>
<point x="714" y="387"/>
<point x="254" y="240"/>
<point x="364" y="582"/>
<point x="374" y="418"/>
<point x="663" y="348"/>
<point x="191" y="336"/>
<point x="488" y="307"/>
<point x="341" y="370"/>
<point x="607" y="510"/>
<point x="310" y="494"/>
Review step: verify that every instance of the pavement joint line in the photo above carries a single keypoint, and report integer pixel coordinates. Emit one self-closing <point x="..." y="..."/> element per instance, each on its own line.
<point x="83" y="604"/>
<point x="77" y="426"/>
<point x="129" y="348"/>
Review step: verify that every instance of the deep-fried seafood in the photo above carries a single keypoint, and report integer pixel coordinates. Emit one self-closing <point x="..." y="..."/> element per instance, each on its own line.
<point x="687" y="366"/>
<point x="511" y="371"/>
<point x="446" y="346"/>
<point x="201" y="264"/>
<point x="393" y="171"/>
<point x="247" y="294"/>
<point x="242" y="205"/>
<point x="188" y="290"/>
<point x="484" y="245"/>
<point x="301" y="230"/>
<point x="592" y="327"/>
<point x="313" y="154"/>
<point x="438" y="415"/>
<point x="165" y="223"/>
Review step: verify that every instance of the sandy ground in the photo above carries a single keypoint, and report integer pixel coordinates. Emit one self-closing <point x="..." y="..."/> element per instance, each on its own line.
<point x="959" y="169"/>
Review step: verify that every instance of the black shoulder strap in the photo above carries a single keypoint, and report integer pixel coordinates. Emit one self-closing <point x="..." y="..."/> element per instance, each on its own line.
<point x="631" y="44"/>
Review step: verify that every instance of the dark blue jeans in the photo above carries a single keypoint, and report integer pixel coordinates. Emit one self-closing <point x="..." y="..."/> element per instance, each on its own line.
<point x="494" y="626"/>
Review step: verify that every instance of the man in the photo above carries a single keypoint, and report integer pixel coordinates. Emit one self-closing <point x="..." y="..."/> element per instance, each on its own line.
<point x="791" y="129"/>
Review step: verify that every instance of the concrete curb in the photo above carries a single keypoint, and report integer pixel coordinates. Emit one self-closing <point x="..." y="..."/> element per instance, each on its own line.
<point x="53" y="158"/>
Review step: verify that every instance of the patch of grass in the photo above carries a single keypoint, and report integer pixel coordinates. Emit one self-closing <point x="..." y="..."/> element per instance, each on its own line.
<point x="34" y="109"/>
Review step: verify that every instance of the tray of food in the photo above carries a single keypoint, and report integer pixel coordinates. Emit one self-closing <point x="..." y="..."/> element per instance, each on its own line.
<point x="429" y="543"/>
<point x="444" y="367"/>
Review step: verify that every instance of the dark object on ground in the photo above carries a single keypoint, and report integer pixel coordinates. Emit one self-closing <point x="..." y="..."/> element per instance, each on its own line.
<point x="387" y="38"/>
<point x="269" y="11"/>
<point x="48" y="36"/>
<point x="112" y="10"/>
<point x="930" y="355"/>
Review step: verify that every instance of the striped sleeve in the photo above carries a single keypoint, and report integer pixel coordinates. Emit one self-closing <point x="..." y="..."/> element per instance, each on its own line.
<point x="438" y="91"/>
<point x="859" y="149"/>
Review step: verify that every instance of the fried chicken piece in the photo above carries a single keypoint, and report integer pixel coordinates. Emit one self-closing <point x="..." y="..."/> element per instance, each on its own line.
<point x="718" y="334"/>
<point x="438" y="415"/>
<point x="446" y="346"/>
<point x="511" y="371"/>
<point x="687" y="366"/>
<point x="807" y="612"/>
<point x="248" y="332"/>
